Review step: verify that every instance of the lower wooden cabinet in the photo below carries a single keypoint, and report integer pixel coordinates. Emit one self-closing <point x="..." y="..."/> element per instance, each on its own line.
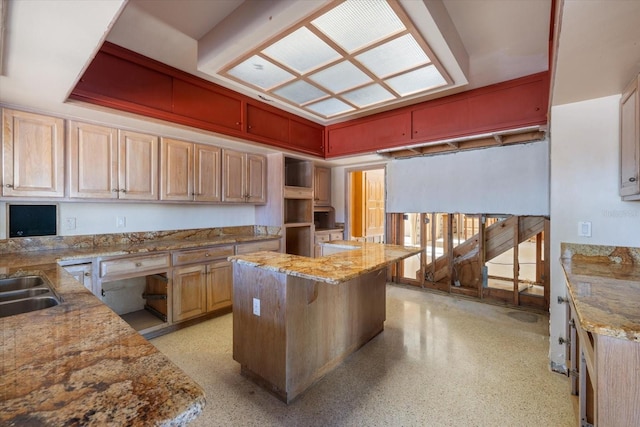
<point x="201" y="288"/>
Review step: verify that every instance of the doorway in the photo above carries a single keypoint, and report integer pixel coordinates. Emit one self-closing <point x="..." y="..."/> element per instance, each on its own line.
<point x="365" y="204"/>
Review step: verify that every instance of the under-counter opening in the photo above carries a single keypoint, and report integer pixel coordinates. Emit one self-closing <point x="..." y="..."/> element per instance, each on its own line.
<point x="139" y="301"/>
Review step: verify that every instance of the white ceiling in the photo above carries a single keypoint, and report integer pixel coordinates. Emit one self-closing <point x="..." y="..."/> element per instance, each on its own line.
<point x="48" y="43"/>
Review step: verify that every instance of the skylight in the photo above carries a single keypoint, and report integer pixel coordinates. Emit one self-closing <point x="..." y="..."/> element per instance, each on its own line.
<point x="354" y="55"/>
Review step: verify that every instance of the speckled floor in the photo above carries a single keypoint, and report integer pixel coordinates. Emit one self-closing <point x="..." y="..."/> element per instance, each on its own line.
<point x="441" y="361"/>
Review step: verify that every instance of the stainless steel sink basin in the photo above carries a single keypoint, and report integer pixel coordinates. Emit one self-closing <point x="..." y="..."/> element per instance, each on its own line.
<point x="24" y="294"/>
<point x="21" y="282"/>
<point x="26" y="305"/>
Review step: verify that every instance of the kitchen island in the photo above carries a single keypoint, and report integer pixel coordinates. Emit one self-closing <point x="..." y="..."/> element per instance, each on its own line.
<point x="296" y="318"/>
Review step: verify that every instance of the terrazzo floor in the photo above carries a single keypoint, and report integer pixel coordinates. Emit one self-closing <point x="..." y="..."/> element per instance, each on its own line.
<point x="441" y="361"/>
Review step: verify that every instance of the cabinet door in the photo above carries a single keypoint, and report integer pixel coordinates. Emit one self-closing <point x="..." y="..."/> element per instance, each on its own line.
<point x="189" y="292"/>
<point x="82" y="273"/>
<point x="33" y="155"/>
<point x="630" y="140"/>
<point x="176" y="170"/>
<point x="207" y="173"/>
<point x="267" y="124"/>
<point x="138" y="160"/>
<point x="93" y="161"/>
<point x="233" y="176"/>
<point x="219" y="285"/>
<point x="322" y="186"/>
<point x="256" y="190"/>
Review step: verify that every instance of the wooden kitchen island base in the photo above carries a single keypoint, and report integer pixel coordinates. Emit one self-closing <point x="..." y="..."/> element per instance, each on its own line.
<point x="304" y="328"/>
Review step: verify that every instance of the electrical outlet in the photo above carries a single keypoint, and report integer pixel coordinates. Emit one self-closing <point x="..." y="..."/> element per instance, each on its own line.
<point x="121" y="222"/>
<point x="70" y="223"/>
<point x="584" y="229"/>
<point x="256" y="306"/>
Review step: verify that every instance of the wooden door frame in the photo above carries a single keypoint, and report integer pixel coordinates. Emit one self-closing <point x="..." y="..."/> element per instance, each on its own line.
<point x="347" y="192"/>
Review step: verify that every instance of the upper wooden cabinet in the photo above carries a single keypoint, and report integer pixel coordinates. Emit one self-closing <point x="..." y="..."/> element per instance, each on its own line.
<point x="243" y="177"/>
<point x="105" y="163"/>
<point x="189" y="171"/>
<point x="93" y="161"/>
<point x="630" y="141"/>
<point x="138" y="166"/>
<point x="322" y="186"/>
<point x="32" y="155"/>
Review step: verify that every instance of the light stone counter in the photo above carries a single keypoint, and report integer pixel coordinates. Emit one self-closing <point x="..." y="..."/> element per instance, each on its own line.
<point x="604" y="283"/>
<point x="357" y="258"/>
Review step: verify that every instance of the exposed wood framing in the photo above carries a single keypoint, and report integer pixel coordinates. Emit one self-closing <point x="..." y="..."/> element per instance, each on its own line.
<point x="483" y="141"/>
<point x="463" y="263"/>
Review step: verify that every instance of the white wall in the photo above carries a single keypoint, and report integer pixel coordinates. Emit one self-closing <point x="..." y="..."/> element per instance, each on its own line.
<point x="501" y="180"/>
<point x="584" y="187"/>
<point x="100" y="218"/>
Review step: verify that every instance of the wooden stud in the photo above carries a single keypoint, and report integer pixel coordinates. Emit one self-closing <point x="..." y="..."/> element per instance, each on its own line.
<point x="516" y="265"/>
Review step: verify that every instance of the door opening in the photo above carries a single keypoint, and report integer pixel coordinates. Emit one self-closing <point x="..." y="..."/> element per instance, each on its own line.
<point x="365" y="205"/>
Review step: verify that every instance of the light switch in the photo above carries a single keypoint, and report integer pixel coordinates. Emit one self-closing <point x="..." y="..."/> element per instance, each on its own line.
<point x="256" y="306"/>
<point x="584" y="229"/>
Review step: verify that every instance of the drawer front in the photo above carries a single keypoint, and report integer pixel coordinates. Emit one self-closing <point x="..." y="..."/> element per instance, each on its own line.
<point x="269" y="245"/>
<point x="322" y="238"/>
<point x="298" y="193"/>
<point x="336" y="235"/>
<point x="202" y="255"/>
<point x="125" y="266"/>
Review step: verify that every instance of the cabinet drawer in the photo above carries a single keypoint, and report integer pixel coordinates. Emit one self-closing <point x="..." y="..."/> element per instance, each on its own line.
<point x="322" y="238"/>
<point x="336" y="236"/>
<point x="125" y="266"/>
<point x="298" y="192"/>
<point x="202" y="255"/>
<point x="269" y="245"/>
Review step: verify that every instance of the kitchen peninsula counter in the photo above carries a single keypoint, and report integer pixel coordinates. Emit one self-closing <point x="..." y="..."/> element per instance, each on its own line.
<point x="296" y="318"/>
<point x="79" y="363"/>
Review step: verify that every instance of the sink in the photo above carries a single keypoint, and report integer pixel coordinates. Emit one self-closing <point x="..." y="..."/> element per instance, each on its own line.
<point x="24" y="294"/>
<point x="26" y="305"/>
<point x="21" y="282"/>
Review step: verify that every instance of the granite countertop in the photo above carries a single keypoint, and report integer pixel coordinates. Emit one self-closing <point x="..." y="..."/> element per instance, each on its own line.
<point x="605" y="293"/>
<point x="79" y="363"/>
<point x="358" y="258"/>
<point x="55" y="255"/>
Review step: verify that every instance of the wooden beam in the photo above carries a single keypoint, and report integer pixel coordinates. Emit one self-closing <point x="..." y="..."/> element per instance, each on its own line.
<point x="547" y="262"/>
<point x="539" y="262"/>
<point x="481" y="254"/>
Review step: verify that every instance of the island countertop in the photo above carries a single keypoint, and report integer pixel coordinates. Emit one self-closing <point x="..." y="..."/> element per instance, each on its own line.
<point x="605" y="293"/>
<point x="356" y="259"/>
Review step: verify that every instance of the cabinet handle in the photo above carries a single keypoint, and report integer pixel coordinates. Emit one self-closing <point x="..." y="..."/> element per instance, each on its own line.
<point x="87" y="274"/>
<point x="114" y="190"/>
<point x="123" y="191"/>
<point x="138" y="264"/>
<point x="632" y="179"/>
<point x="562" y="300"/>
<point x="9" y="185"/>
<point x="207" y="254"/>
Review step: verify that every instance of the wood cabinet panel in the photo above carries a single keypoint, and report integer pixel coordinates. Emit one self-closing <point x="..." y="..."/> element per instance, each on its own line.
<point x="243" y="177"/>
<point x="306" y="137"/>
<point x="207" y="174"/>
<point x="219" y="285"/>
<point x="256" y="178"/>
<point x="322" y="186"/>
<point x="629" y="183"/>
<point x="138" y="160"/>
<point x="133" y="265"/>
<point x="267" y="124"/>
<point x="269" y="245"/>
<point x="194" y="101"/>
<point x="33" y="155"/>
<point x="176" y="170"/>
<point x="233" y="176"/>
<point x="93" y="161"/>
<point x="189" y="292"/>
<point x="116" y="77"/>
<point x="370" y="135"/>
<point x="202" y="255"/>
